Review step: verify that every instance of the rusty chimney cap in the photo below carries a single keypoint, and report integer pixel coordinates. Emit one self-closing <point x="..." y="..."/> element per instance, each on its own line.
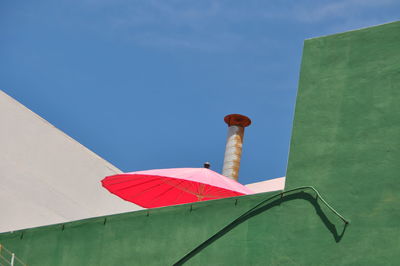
<point x="237" y="120"/>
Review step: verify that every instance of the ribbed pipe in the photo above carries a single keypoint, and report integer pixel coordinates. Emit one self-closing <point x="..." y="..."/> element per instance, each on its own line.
<point x="234" y="143"/>
<point x="233" y="152"/>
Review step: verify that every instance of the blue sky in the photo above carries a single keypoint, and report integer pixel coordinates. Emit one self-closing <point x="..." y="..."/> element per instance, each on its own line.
<point x="146" y="84"/>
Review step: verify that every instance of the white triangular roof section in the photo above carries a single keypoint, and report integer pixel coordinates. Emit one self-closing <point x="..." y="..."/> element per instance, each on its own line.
<point x="275" y="184"/>
<point x="46" y="177"/>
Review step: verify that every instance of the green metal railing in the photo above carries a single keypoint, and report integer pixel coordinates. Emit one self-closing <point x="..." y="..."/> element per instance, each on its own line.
<point x="247" y="213"/>
<point x="8" y="258"/>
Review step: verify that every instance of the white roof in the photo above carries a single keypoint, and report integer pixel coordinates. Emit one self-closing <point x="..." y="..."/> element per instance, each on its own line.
<point x="268" y="185"/>
<point x="47" y="177"/>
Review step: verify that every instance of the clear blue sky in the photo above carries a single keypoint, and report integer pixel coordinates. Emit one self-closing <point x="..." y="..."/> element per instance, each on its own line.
<point x="146" y="84"/>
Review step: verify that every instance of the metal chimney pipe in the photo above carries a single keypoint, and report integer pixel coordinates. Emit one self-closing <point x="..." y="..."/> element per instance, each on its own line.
<point x="233" y="151"/>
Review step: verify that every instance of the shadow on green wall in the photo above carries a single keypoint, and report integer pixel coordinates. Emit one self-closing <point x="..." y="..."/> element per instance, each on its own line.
<point x="253" y="212"/>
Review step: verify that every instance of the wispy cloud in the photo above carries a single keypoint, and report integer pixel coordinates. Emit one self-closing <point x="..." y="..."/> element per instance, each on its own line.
<point x="315" y="11"/>
<point x="222" y="24"/>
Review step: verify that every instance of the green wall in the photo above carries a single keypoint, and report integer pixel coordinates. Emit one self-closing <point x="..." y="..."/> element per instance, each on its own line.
<point x="268" y="236"/>
<point x="345" y="142"/>
<point x="346" y="137"/>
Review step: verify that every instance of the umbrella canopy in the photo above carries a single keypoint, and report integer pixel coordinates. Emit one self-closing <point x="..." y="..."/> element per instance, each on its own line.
<point x="164" y="187"/>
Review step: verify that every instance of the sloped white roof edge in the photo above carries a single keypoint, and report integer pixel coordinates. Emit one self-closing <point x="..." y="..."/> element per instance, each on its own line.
<point x="20" y="105"/>
<point x="47" y="177"/>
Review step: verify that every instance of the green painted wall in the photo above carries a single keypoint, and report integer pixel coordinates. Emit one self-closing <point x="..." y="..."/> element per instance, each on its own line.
<point x="269" y="236"/>
<point x="346" y="137"/>
<point x="346" y="143"/>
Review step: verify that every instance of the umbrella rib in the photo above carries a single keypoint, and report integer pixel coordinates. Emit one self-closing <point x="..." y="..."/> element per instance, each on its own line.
<point x="145" y="182"/>
<point x="164" y="192"/>
<point x="221" y="192"/>
<point x="143" y="191"/>
<point x="179" y="195"/>
<point x="163" y="182"/>
<point x="184" y="189"/>
<point x="125" y="180"/>
<point x="224" y="191"/>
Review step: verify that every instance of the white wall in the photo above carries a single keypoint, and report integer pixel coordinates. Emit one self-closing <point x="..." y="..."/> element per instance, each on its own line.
<point x="46" y="177"/>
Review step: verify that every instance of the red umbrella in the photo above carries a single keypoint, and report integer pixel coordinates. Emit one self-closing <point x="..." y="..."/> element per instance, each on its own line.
<point x="164" y="187"/>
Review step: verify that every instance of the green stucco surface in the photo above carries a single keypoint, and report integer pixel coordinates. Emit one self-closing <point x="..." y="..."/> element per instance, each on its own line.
<point x="346" y="143"/>
<point x="269" y="236"/>
<point x="346" y="138"/>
